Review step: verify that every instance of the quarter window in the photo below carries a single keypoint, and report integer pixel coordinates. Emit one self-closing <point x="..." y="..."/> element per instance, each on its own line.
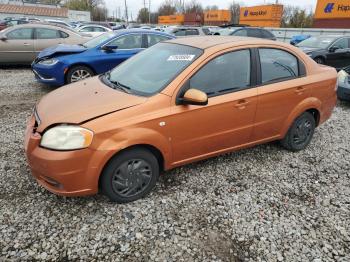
<point x="225" y="73"/>
<point x="277" y="65"/>
<point x="43" y="33"/>
<point x="128" y="41"/>
<point x="20" y="34"/>
<point x="154" y="39"/>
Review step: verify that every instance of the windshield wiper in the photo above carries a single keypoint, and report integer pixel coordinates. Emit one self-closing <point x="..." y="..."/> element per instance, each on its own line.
<point x="116" y="84"/>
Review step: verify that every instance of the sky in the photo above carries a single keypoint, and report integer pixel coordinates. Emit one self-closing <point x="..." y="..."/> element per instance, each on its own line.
<point x="135" y="5"/>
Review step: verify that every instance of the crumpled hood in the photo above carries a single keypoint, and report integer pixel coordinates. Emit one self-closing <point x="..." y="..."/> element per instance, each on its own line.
<point x="82" y="101"/>
<point x="61" y="49"/>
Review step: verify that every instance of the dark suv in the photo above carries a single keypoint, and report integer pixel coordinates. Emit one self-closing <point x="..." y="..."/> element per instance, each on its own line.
<point x="247" y="31"/>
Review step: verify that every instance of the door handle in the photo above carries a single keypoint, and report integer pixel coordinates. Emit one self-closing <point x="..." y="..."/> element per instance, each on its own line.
<point x="241" y="104"/>
<point x="299" y="90"/>
<point x="26" y="44"/>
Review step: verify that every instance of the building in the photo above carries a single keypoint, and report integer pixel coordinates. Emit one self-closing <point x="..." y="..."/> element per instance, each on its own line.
<point x="332" y="14"/>
<point x="18" y="9"/>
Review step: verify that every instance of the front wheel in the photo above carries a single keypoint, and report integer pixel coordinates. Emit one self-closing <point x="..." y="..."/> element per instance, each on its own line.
<point x="300" y="133"/>
<point x="130" y="175"/>
<point x="78" y="73"/>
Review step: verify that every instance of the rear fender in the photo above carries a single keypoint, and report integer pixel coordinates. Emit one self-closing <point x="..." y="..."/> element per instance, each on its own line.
<point x="303" y="106"/>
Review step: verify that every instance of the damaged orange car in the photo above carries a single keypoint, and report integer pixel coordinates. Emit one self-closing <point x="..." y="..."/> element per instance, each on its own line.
<point x="177" y="102"/>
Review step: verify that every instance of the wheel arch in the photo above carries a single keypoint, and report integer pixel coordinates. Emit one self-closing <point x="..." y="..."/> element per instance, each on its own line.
<point x="78" y="64"/>
<point x="311" y="104"/>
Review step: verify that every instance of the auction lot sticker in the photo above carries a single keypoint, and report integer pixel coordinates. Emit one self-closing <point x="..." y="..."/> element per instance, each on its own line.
<point x="181" y="57"/>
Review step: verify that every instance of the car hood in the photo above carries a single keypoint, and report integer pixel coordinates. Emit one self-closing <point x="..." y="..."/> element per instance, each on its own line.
<point x="310" y="49"/>
<point x="61" y="49"/>
<point x="82" y="101"/>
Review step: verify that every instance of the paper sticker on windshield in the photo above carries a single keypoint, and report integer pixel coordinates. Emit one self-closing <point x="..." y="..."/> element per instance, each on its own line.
<point x="181" y="57"/>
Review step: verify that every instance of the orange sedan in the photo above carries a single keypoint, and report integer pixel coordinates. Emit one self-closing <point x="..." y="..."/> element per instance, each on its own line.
<point x="175" y="103"/>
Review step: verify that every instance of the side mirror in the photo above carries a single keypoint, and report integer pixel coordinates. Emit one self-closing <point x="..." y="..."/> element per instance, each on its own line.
<point x="109" y="47"/>
<point x="3" y="38"/>
<point x="194" y="97"/>
<point x="334" y="48"/>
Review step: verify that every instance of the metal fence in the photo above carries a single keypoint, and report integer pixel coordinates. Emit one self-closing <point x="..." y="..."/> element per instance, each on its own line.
<point x="285" y="34"/>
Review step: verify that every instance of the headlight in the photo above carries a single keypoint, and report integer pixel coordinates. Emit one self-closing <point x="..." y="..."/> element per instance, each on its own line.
<point x="66" y="138"/>
<point x="342" y="77"/>
<point x="50" y="61"/>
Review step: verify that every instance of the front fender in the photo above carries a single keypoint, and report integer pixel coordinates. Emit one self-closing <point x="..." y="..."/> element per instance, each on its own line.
<point x="129" y="137"/>
<point x="306" y="104"/>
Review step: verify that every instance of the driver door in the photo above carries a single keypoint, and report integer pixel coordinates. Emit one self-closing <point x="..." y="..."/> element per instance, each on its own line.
<point x="227" y="120"/>
<point x="128" y="46"/>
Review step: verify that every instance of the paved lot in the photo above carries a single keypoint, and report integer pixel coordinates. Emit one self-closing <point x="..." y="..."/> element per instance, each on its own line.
<point x="259" y="204"/>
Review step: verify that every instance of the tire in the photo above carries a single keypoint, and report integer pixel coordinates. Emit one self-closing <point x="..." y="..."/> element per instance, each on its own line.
<point x="76" y="71"/>
<point x="300" y="133"/>
<point x="124" y="172"/>
<point x="319" y="60"/>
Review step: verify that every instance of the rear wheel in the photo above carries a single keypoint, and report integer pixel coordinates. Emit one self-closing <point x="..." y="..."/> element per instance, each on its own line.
<point x="300" y="133"/>
<point x="78" y="73"/>
<point x="130" y="175"/>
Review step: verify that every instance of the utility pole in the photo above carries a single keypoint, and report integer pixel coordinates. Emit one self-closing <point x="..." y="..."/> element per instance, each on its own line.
<point x="149" y="11"/>
<point x="126" y="13"/>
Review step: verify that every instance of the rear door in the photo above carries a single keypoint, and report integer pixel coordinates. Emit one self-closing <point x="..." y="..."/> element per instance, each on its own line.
<point x="18" y="47"/>
<point x="254" y="32"/>
<point x="128" y="46"/>
<point x="45" y="37"/>
<point x="281" y="89"/>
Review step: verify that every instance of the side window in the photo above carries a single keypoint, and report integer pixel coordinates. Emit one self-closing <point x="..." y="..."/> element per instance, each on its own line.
<point x="192" y="32"/>
<point x="224" y="74"/>
<point x="154" y="39"/>
<point x="241" y="32"/>
<point x="128" y="41"/>
<point x="43" y="33"/>
<point x="342" y="43"/>
<point x="277" y="65"/>
<point x="63" y="34"/>
<point x="87" y="29"/>
<point x="254" y="33"/>
<point x="20" y="34"/>
<point x="180" y="32"/>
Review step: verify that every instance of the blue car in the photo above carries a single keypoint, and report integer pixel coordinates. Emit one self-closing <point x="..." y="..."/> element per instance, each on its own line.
<point x="63" y="64"/>
<point x="296" y="39"/>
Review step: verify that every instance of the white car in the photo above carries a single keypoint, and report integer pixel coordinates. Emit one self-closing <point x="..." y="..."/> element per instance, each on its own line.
<point x="93" y="30"/>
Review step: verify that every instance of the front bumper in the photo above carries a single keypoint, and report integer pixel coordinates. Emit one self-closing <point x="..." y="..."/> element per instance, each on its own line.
<point x="343" y="92"/>
<point x="50" y="75"/>
<point x="67" y="173"/>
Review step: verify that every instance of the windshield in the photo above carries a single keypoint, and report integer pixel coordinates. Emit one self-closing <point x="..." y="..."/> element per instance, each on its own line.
<point x="317" y="42"/>
<point x="98" y="40"/>
<point x="151" y="70"/>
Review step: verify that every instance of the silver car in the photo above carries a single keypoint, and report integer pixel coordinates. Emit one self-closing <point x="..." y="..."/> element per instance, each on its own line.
<point x="21" y="44"/>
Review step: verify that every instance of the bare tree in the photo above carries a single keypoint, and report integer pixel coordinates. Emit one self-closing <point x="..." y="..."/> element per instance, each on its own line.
<point x="167" y="8"/>
<point x="235" y="12"/>
<point x="296" y="17"/>
<point x="211" y="7"/>
<point x="193" y="7"/>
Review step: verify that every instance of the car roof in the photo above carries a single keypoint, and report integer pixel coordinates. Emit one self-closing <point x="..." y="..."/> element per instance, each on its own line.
<point x="139" y="30"/>
<point x="204" y="42"/>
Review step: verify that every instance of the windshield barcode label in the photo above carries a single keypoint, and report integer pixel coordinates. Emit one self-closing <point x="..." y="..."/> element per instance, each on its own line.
<point x="181" y="57"/>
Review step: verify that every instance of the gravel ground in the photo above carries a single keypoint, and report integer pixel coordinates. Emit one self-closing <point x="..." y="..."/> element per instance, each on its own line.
<point x="259" y="204"/>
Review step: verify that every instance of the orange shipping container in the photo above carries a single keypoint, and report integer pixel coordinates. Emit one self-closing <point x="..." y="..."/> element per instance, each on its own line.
<point x="262" y="12"/>
<point x="171" y="19"/>
<point x="217" y="15"/>
<point x="263" y="23"/>
<point x="326" y="9"/>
